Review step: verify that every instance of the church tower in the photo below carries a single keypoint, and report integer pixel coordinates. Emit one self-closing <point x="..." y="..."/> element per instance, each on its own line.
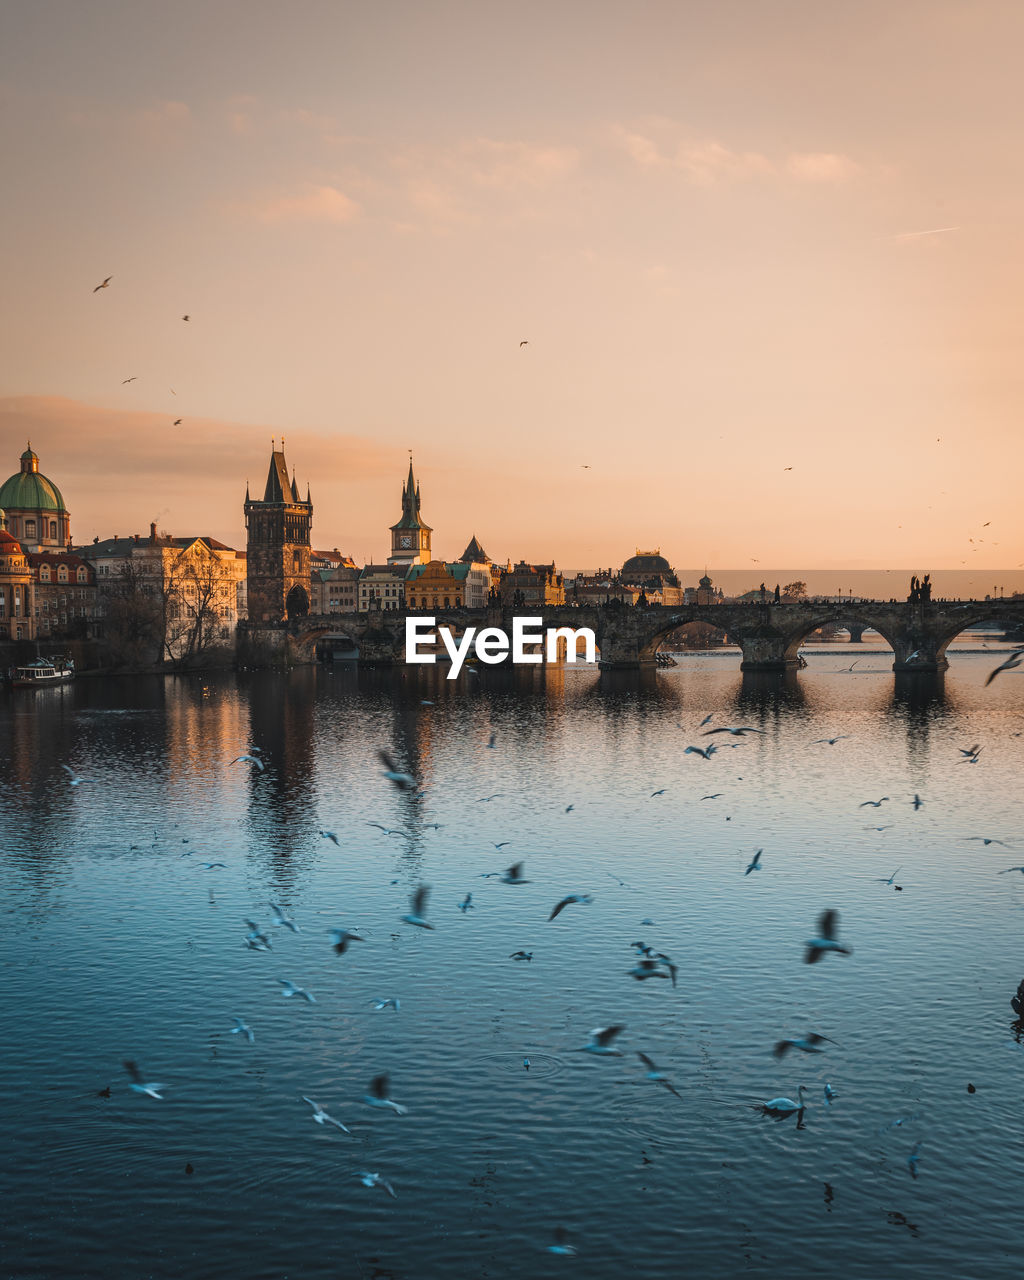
<point x="277" y="547"/>
<point x="410" y="537"/>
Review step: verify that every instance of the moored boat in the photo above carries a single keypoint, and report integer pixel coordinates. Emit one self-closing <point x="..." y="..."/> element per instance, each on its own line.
<point x="42" y="672"/>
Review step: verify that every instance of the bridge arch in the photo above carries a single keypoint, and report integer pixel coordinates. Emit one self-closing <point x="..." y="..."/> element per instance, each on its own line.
<point x="972" y="618"/>
<point x="808" y="625"/>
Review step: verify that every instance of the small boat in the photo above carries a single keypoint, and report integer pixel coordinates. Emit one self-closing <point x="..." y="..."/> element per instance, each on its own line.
<point x="44" y="671"/>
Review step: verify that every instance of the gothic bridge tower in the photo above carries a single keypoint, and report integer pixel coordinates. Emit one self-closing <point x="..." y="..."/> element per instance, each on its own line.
<point x="277" y="547"/>
<point x="410" y="537"/>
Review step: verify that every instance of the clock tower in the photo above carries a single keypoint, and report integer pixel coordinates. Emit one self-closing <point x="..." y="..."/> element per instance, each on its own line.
<point x="410" y="537"/>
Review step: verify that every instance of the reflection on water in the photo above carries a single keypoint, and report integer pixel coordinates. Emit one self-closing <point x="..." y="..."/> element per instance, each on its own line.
<point x="119" y="943"/>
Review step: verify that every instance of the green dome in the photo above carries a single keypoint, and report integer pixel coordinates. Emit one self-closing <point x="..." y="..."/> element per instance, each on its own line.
<point x="31" y="491"/>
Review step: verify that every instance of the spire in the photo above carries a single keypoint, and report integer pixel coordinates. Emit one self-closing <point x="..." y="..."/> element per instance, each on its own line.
<point x="295" y="487"/>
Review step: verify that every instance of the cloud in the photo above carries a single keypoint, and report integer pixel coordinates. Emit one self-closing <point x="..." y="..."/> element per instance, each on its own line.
<point x="511" y="165"/>
<point x="821" y="166"/>
<point x="706" y="162"/>
<point x="313" y="204"/>
<point x="702" y="163"/>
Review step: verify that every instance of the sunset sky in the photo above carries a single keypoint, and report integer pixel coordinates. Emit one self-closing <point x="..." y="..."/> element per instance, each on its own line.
<point x="738" y="236"/>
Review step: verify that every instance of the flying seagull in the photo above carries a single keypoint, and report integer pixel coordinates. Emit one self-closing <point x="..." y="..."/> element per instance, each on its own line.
<point x="987" y="840"/>
<point x="241" y="1027"/>
<point x="883" y="880"/>
<point x="525" y="342"/>
<point x="583" y="898"/>
<point x="73" y="779"/>
<point x="392" y="1002"/>
<point x="376" y="1180"/>
<point x="755" y="863"/>
<point x="828" y="922"/>
<point x="330" y="835"/>
<point x="831" y="741"/>
<point x="809" y="1043"/>
<point x="380" y="1095"/>
<point x="404" y="781"/>
<point x="282" y="919"/>
<point x="511" y="875"/>
<point x="340" y="939"/>
<point x="705" y="753"/>
<point x="125" y="381"/>
<point x="418" y="908"/>
<point x="177" y="422"/>
<point x="1008" y="869"/>
<point x="139" y="1085"/>
<point x="735" y="732"/>
<point x="654" y="1074"/>
<point x="601" y="1042"/>
<point x="521" y="955"/>
<point x="875" y="804"/>
<point x="186" y="317"/>
<point x="255" y="761"/>
<point x="290" y="989"/>
<point x="321" y="1116"/>
<point x="1014" y="660"/>
<point x="104" y="285"/>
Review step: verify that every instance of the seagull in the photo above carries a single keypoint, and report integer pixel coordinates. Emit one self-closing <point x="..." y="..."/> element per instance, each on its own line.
<point x="654" y="1074"/>
<point x="257" y="936"/>
<point x="561" y="1245"/>
<point x="1007" y="869"/>
<point x="330" y="835"/>
<point x="917" y="802"/>
<point x="177" y="422"/>
<point x="601" y="1042"/>
<point x="376" y="1180"/>
<point x="755" y="863"/>
<point x="321" y="1116"/>
<point x="290" y="989"/>
<point x="706" y="752"/>
<point x="418" y="908"/>
<point x="186" y="317"/>
<point x="829" y="1093"/>
<point x="511" y="875"/>
<point x="658" y="793"/>
<point x="970" y="751"/>
<point x="826" y="941"/>
<point x="341" y="938"/>
<point x="378" y="1095"/>
<point x="404" y="781"/>
<point x="241" y="1027"/>
<point x="466" y="904"/>
<point x="735" y="732"/>
<point x="569" y="808"/>
<point x="501" y="845"/>
<point x="781" y="1107"/>
<point x="521" y="955"/>
<point x="254" y="760"/>
<point x="209" y="866"/>
<point x="875" y="804"/>
<point x="582" y="898"/>
<point x="526" y="1063"/>
<point x="831" y="741"/>
<point x="73" y="779"/>
<point x="885" y="828"/>
<point x="282" y="920"/>
<point x="391" y="1003"/>
<point x="138" y="1084"/>
<point x="488" y="799"/>
<point x="652" y="968"/>
<point x="714" y="796"/>
<point x="133" y="378"/>
<point x="809" y="1044"/>
<point x="913" y="1158"/>
<point x="525" y="342"/>
<point x="104" y="285"/>
<point x="987" y="840"/>
<point x="1014" y="660"/>
<point x="882" y="879"/>
<point x="707" y="720"/>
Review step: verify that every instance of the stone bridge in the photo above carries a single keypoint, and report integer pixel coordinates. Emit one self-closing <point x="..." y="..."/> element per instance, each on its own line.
<point x="768" y="634"/>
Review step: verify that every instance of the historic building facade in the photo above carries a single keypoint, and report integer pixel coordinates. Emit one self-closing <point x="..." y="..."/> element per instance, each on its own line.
<point x="278" y="546"/>
<point x="410" y="537"/>
<point x="17" y="588"/>
<point x="531" y="584"/>
<point x="382" y="586"/>
<point x="36" y="514"/>
<point x="335" y="590"/>
<point x="65" y="595"/>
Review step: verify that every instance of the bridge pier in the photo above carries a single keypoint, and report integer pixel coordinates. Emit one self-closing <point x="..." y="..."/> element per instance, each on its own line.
<point x="856" y="633"/>
<point x="765" y="650"/>
<point x="918" y="654"/>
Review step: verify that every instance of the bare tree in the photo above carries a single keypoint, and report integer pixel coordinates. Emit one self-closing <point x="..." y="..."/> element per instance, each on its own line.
<point x="198" y="593"/>
<point x="133" y="614"/>
<point x="795" y="590"/>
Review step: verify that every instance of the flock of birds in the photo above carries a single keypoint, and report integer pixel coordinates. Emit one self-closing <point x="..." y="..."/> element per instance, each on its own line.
<point x="648" y="962"/>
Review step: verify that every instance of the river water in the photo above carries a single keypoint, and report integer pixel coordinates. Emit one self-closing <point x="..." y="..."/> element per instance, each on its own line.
<point x="119" y="943"/>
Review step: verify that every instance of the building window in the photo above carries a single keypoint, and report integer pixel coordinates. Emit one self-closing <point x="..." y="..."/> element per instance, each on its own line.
<point x="62" y="573"/>
<point x="30" y="528"/>
<point x="44" y="573"/>
<point x="82" y="574"/>
<point x="53" y="528"/>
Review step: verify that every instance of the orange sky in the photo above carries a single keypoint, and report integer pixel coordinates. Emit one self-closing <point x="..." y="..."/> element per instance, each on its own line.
<point x="738" y="237"/>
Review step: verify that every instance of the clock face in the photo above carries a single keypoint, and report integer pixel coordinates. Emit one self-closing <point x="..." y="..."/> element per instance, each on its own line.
<point x="405" y="541"/>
